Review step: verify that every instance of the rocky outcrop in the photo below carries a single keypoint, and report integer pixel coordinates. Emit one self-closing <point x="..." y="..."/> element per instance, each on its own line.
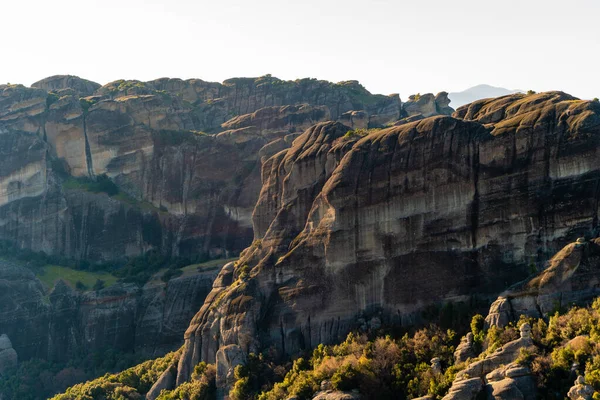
<point x="165" y="381"/>
<point x="278" y="121"/>
<point x="497" y="376"/>
<point x="58" y="83"/>
<point x="427" y="105"/>
<point x="465" y="350"/>
<point x="511" y="382"/>
<point x="149" y="320"/>
<point x="336" y="395"/>
<point x="8" y="355"/>
<point x="580" y="391"/>
<point x="431" y="211"/>
<point x="572" y="277"/>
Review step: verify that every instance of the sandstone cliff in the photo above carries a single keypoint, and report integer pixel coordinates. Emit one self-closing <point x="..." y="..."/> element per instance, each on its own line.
<point x="186" y="158"/>
<point x="435" y="210"/>
<point x="187" y="192"/>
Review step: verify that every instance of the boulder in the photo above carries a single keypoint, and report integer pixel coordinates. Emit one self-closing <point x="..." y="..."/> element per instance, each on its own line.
<point x="466" y="389"/>
<point x="228" y="357"/>
<point x="511" y="382"/>
<point x="465" y="349"/>
<point x="580" y="391"/>
<point x="166" y="381"/>
<point x="336" y="395"/>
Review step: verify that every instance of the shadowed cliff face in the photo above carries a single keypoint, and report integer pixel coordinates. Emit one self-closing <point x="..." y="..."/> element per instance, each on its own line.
<point x="65" y="324"/>
<point x="440" y="209"/>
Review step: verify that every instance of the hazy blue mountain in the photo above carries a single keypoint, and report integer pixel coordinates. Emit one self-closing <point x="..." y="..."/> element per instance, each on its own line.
<point x="476" y="93"/>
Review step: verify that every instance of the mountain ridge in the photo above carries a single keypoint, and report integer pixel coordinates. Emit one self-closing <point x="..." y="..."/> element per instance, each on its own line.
<point x="478" y="92"/>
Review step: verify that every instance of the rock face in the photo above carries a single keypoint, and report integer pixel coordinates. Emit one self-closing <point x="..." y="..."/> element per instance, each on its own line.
<point x="8" y="355"/>
<point x="428" y="105"/>
<point x="126" y="318"/>
<point x="430" y="211"/>
<point x="57" y="83"/>
<point x="571" y="277"/>
<point x="465" y="349"/>
<point x="183" y="192"/>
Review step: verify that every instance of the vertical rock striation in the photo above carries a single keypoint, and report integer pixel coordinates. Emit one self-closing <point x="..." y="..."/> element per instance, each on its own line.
<point x="435" y="210"/>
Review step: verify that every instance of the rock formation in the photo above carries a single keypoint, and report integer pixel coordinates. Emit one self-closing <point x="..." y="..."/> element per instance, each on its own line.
<point x="465" y="349"/>
<point x="427" y="105"/>
<point x="8" y="355"/>
<point x="184" y="192"/>
<point x="571" y="277"/>
<point x="430" y="211"/>
<point x="581" y="391"/>
<point x="149" y="320"/>
<point x="497" y="375"/>
<point x="63" y="83"/>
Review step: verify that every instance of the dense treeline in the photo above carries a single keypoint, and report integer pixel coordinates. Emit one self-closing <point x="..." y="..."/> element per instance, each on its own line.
<point x="39" y="379"/>
<point x="567" y="344"/>
<point x="130" y="270"/>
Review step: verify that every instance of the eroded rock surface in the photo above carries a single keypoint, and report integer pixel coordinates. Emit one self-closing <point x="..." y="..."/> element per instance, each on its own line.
<point x="184" y="192"/>
<point x="8" y="355"/>
<point x="149" y="320"/>
<point x="572" y="276"/>
<point x="434" y="210"/>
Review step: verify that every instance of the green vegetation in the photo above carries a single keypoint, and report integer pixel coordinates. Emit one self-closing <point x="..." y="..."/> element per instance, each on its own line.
<point x="201" y="387"/>
<point x="102" y="184"/>
<point x="206" y="266"/>
<point x="36" y="379"/>
<point x="177" y="138"/>
<point x="86" y="104"/>
<point x="379" y="368"/>
<point x="139" y="270"/>
<point x="530" y="92"/>
<point x="135" y="382"/>
<point x="78" y="279"/>
<point x="382" y="366"/>
<point x="130" y="384"/>
<point x="595" y="100"/>
<point x="386" y="368"/>
<point x="51" y="99"/>
<point x="360" y="132"/>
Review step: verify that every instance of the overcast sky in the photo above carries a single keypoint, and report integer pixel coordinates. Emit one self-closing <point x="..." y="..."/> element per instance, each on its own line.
<point x="389" y="46"/>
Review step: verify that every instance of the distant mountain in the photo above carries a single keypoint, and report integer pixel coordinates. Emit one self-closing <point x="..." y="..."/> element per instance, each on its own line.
<point x="477" y="92"/>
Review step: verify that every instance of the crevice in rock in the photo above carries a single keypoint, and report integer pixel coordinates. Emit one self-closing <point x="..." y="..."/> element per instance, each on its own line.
<point x="88" y="151"/>
<point x="474" y="209"/>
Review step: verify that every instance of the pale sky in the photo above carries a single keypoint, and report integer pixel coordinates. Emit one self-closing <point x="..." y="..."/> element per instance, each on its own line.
<point x="389" y="46"/>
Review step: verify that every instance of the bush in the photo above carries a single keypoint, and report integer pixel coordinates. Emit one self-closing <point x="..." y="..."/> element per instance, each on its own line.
<point x="345" y="378"/>
<point x="80" y="286"/>
<point x="99" y="285"/>
<point x="51" y="99"/>
<point x="171" y="274"/>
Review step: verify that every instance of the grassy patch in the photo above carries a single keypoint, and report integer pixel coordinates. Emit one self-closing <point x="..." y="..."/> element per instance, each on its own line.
<point x="193" y="269"/>
<point x="102" y="184"/>
<point x="50" y="274"/>
<point x="208" y="265"/>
